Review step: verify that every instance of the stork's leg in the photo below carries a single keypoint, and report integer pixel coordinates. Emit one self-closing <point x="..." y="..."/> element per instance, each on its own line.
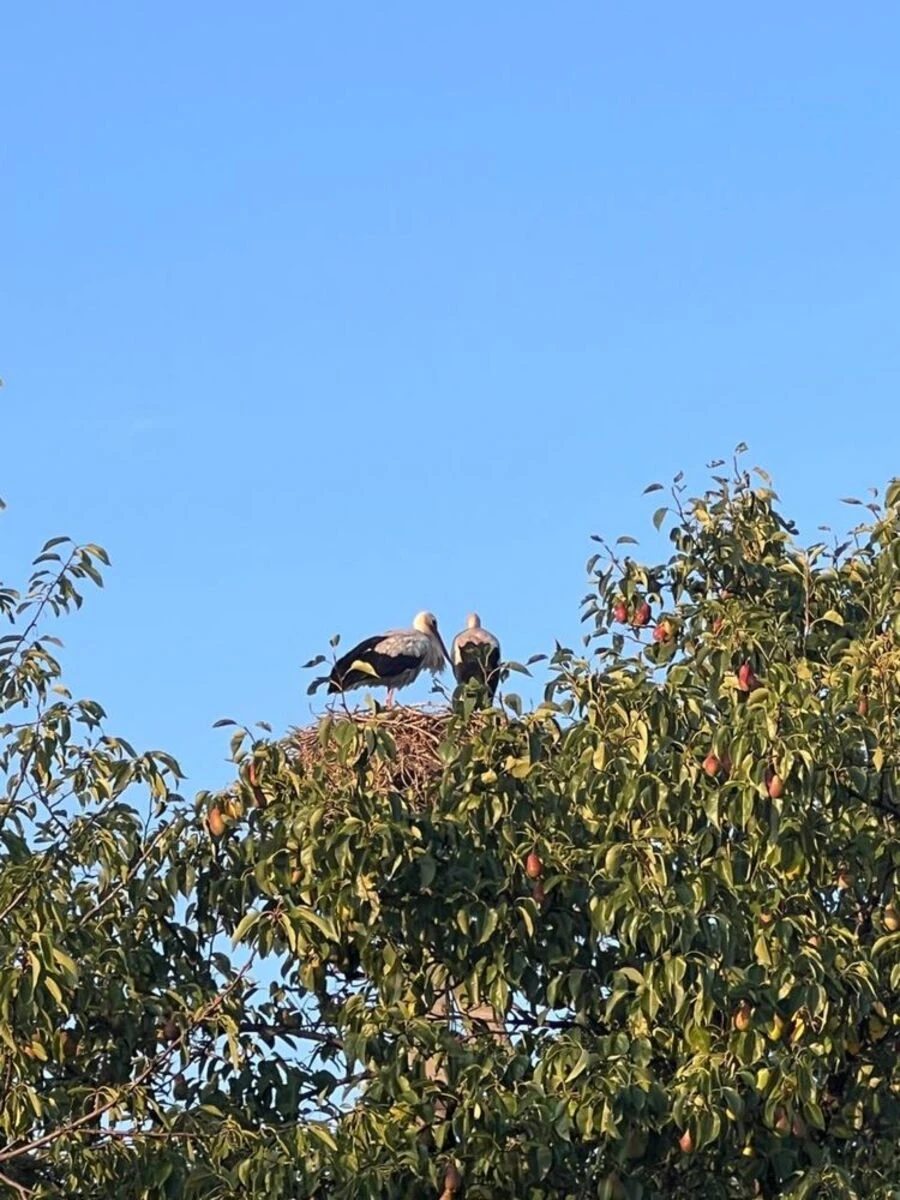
<point x="390" y="698"/>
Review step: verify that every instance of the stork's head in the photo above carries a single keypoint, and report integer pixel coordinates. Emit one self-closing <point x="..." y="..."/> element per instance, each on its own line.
<point x="426" y="622"/>
<point x="473" y="621"/>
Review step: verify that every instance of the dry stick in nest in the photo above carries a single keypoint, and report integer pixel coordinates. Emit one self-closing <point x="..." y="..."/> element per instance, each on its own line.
<point x="417" y="734"/>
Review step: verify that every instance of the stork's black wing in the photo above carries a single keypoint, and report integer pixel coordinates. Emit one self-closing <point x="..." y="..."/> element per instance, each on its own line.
<point x="382" y="668"/>
<point x="478" y="661"/>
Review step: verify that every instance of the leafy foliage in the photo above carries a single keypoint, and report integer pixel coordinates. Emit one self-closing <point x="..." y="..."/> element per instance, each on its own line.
<point x="641" y="941"/>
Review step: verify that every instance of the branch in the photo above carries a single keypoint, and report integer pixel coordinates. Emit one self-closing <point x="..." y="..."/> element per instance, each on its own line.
<point x="282" y="1030"/>
<point x="127" y="879"/>
<point x="49" y="587"/>
<point x="878" y="803"/>
<point x="19" y="1188"/>
<point x="16" y="900"/>
<point x="161" y="1058"/>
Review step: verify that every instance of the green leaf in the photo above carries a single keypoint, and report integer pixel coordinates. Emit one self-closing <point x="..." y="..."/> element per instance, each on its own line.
<point x="488" y="927"/>
<point x="580" y="1067"/>
<point x="832" y="617"/>
<point x="324" y="924"/>
<point x="888" y="941"/>
<point x="527" y="921"/>
<point x="519" y="768"/>
<point x="322" y="1134"/>
<point x="249" y="921"/>
<point x="427" y="870"/>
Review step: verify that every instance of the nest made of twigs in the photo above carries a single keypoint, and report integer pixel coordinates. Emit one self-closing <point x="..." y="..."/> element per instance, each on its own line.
<point x="411" y="763"/>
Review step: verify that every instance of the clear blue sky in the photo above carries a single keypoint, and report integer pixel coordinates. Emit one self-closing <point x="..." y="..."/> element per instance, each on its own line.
<point x="316" y="315"/>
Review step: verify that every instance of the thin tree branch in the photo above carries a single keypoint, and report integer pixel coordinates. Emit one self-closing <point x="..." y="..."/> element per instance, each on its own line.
<point x="128" y="878"/>
<point x="19" y="1188"/>
<point x="99" y="1109"/>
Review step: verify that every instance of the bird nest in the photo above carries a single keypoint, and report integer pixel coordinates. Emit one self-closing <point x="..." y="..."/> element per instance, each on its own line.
<point x="408" y="760"/>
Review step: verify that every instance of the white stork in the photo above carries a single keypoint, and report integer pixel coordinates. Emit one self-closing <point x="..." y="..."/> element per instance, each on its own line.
<point x="475" y="654"/>
<point x="392" y="659"/>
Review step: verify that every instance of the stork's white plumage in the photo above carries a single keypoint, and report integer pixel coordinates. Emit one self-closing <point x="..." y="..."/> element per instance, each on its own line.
<point x="475" y="654"/>
<point x="392" y="660"/>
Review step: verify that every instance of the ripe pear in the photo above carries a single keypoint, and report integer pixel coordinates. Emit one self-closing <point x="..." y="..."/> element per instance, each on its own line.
<point x="743" y="1016"/>
<point x="452" y="1178"/>
<point x="69" y="1044"/>
<point x="712" y="765"/>
<point x="534" y="868"/>
<point x="891" y="918"/>
<point x="798" y="1127"/>
<point x="774" y="784"/>
<point x="782" y="1122"/>
<point x="746" y="676"/>
<point x="686" y="1142"/>
<point x="216" y="821"/>
<point x="620" y="612"/>
<point x="642" y="615"/>
<point x="862" y="706"/>
<point x="259" y="798"/>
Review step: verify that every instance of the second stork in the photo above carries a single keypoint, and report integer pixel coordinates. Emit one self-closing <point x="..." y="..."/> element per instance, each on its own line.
<point x="475" y="654"/>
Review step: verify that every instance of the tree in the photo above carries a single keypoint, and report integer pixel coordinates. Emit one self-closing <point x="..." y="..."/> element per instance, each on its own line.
<point x="639" y="941"/>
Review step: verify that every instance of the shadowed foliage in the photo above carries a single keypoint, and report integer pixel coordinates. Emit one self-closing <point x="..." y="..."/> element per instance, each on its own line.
<point x="640" y="941"/>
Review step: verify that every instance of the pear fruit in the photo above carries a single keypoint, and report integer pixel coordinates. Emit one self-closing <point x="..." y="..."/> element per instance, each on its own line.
<point x="712" y="765"/>
<point x="774" y="784"/>
<point x="746" y="677"/>
<point x="642" y="615"/>
<point x="743" y="1015"/>
<point x="216" y="821"/>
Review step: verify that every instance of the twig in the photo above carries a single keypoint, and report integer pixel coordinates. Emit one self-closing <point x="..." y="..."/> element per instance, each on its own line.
<point x="19" y="896"/>
<point x="17" y="1187"/>
<point x="282" y="1030"/>
<point x="126" y="880"/>
<point x="99" y="1109"/>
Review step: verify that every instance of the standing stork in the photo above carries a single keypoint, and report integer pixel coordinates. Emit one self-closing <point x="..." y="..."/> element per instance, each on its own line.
<point x="475" y="654"/>
<point x="392" y="659"/>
